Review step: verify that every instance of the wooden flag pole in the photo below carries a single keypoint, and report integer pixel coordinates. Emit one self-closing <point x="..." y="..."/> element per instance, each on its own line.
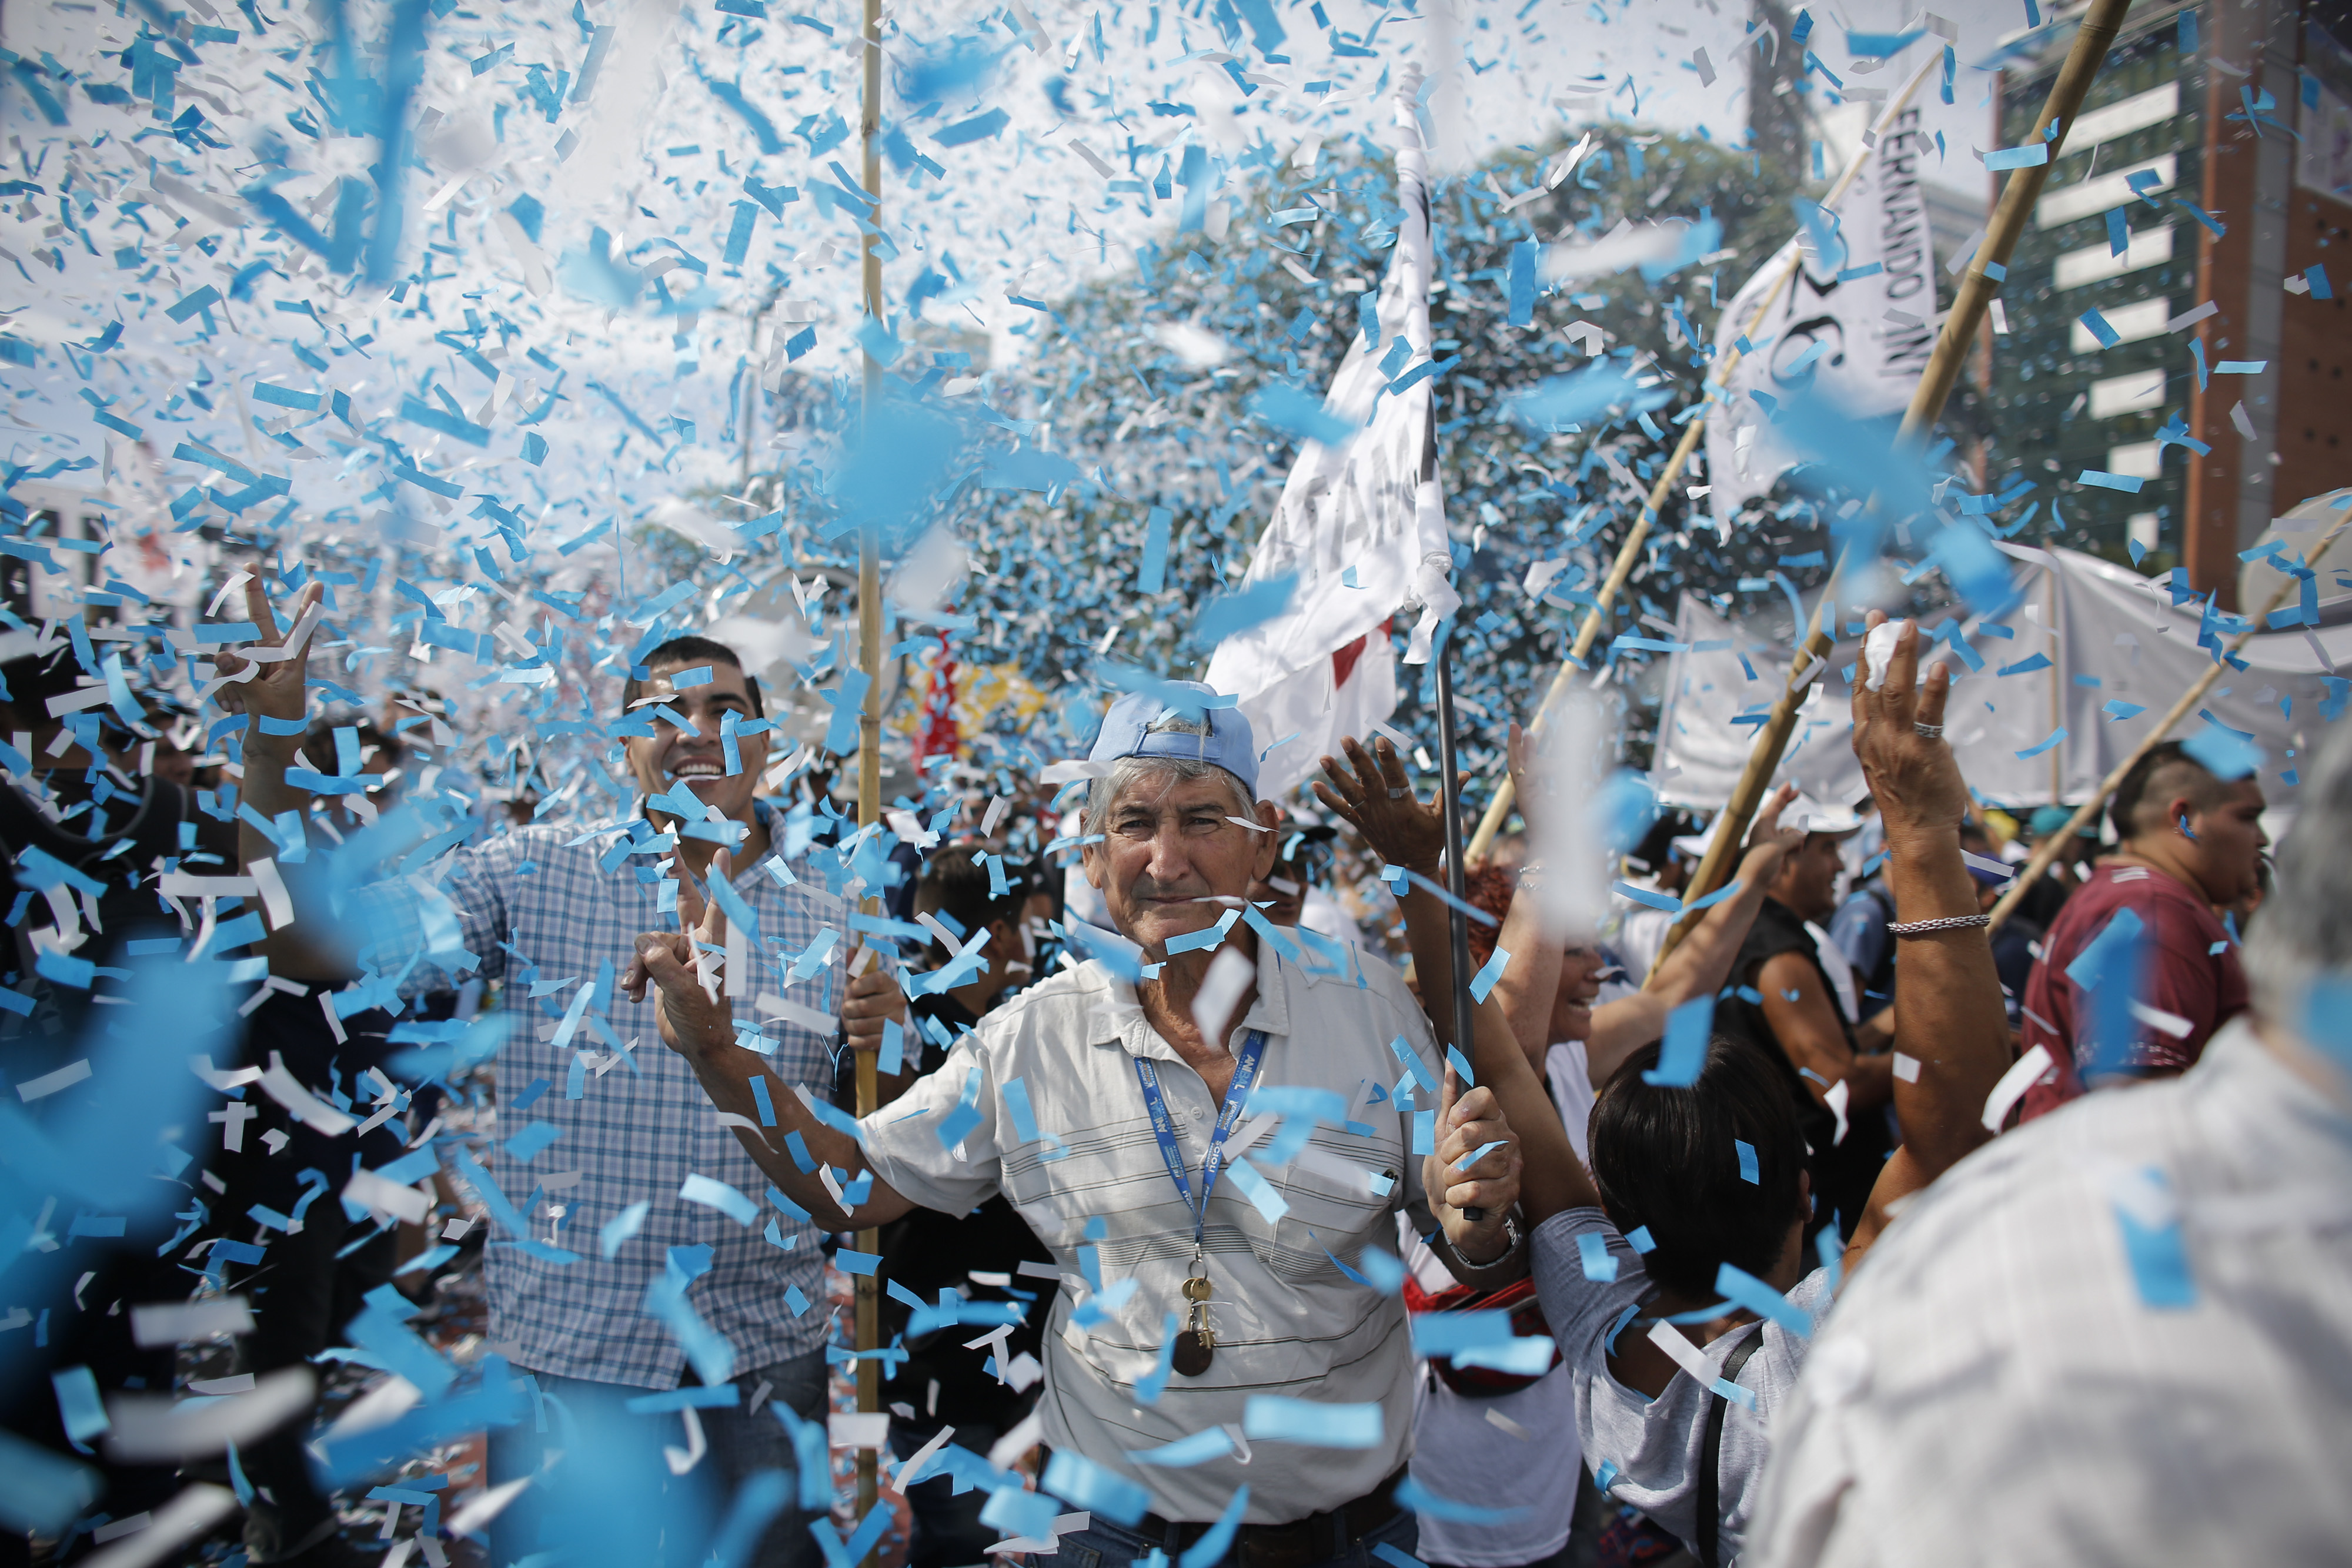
<point x="869" y="731"/>
<point x="2097" y="32"/>
<point x="2088" y="811"/>
<point x="1629" y="552"/>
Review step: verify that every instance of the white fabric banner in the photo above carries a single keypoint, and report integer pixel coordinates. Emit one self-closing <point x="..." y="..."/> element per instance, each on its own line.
<point x="1362" y="525"/>
<point x="2118" y="640"/>
<point x="1839" y="328"/>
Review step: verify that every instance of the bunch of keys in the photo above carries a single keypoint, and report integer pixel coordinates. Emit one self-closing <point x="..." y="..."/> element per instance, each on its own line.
<point x="1196" y="1346"/>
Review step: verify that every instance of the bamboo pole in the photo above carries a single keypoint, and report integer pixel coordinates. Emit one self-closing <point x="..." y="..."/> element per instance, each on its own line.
<point x="868" y="1286"/>
<point x="2088" y="811"/>
<point x="2097" y="32"/>
<point x="1630" y="552"/>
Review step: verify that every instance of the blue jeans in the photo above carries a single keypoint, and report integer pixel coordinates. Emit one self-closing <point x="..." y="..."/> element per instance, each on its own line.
<point x="1102" y="1544"/>
<point x="610" y="1496"/>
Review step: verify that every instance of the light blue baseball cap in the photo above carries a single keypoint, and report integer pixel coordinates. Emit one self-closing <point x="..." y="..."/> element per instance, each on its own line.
<point x="1159" y="723"/>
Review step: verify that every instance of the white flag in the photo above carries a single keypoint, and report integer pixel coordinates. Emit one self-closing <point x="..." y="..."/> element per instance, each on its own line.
<point x="1361" y="525"/>
<point x="1858" y="322"/>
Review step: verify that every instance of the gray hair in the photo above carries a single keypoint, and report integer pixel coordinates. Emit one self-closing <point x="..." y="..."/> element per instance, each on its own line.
<point x="1128" y="771"/>
<point x="2303" y="928"/>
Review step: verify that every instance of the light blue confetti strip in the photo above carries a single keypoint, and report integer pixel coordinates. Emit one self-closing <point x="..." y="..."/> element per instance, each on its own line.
<point x="1450" y="1333"/>
<point x="1082" y="1483"/>
<point x="1488" y="972"/>
<point x="79" y="1402"/>
<point x="1425" y="1132"/>
<point x="2158" y="1256"/>
<point x="1830" y="1249"/>
<point x="1683" y="1056"/>
<point x="1592" y="1250"/>
<point x="958" y="1124"/>
<point x="1749" y="1171"/>
<point x="850" y="1262"/>
<point x="622" y="1227"/>
<point x="1258" y="1189"/>
<point x="1153" y="1384"/>
<point x="1480" y="1153"/>
<point x="891" y="1059"/>
<point x="1410" y="1060"/>
<point x="760" y="1093"/>
<point x="1218" y="1539"/>
<point x="1640" y="1239"/>
<point x="1743" y="1289"/>
<point x="1461" y="1065"/>
<point x="2055" y="736"/>
<point x="1272" y="1418"/>
<point x="795" y="1299"/>
<point x="1016" y="1104"/>
<point x="717" y="1195"/>
<point x="1152" y="577"/>
<point x="1411" y="1494"/>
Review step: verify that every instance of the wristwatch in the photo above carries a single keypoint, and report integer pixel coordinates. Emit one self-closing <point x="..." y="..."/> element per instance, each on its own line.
<point x="1511" y="1234"/>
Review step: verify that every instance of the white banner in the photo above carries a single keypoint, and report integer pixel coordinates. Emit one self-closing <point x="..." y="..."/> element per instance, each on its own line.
<point x="1362" y="525"/>
<point x="2120" y="654"/>
<point x="1857" y="323"/>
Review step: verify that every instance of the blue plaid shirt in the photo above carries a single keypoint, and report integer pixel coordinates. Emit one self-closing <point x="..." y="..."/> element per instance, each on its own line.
<point x="536" y="906"/>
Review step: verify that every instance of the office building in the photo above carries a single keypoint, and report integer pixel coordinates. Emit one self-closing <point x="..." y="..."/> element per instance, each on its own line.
<point x="2097" y="370"/>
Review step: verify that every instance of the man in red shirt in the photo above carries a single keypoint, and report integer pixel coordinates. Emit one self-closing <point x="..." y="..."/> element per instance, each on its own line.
<point x="2190" y="841"/>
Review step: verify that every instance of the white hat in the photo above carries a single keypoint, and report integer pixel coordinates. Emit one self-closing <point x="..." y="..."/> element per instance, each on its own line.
<point x="1809" y="814"/>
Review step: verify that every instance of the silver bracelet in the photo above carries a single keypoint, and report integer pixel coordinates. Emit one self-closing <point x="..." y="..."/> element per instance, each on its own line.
<point x="1948" y="923"/>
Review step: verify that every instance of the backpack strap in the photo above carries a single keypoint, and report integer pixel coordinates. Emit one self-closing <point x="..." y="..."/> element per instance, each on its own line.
<point x="1710" y="1506"/>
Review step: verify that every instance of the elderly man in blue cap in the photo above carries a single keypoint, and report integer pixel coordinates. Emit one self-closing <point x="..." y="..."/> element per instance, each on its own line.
<point x="1198" y="1238"/>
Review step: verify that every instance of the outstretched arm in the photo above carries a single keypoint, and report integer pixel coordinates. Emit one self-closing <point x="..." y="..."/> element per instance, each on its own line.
<point x="1376" y="798"/>
<point x="300" y="948"/>
<point x="1701" y="965"/>
<point x="1948" y="1007"/>
<point x="698" y="1023"/>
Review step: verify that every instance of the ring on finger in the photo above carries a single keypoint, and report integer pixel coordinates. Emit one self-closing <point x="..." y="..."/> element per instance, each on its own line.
<point x="1398" y="792"/>
<point x="1928" y="731"/>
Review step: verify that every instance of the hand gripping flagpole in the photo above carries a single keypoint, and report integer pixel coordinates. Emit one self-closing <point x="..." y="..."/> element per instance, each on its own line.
<point x="869" y="730"/>
<point x="2098" y="30"/>
<point x="1630" y="552"/>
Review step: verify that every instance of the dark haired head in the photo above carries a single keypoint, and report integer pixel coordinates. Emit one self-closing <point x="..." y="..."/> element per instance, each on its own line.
<point x="1668" y="1159"/>
<point x="688" y="653"/>
<point x="1658" y="846"/>
<point x="955" y="884"/>
<point x="2166" y="770"/>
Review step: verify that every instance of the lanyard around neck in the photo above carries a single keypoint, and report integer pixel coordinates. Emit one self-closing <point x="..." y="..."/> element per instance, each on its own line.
<point x="1228" y="1115"/>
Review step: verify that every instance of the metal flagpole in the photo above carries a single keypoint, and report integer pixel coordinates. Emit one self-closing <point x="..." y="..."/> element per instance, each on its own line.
<point x="1630" y="552"/>
<point x="869" y="730"/>
<point x="2097" y="31"/>
<point x="1456" y="879"/>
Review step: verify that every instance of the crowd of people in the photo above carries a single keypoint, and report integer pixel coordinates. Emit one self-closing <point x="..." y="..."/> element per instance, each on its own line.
<point x="1195" y="1211"/>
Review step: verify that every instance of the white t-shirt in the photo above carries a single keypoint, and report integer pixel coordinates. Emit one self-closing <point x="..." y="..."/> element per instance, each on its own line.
<point x="1459" y="1453"/>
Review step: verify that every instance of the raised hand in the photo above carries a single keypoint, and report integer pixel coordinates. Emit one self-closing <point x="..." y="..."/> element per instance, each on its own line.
<point x="696" y="1012"/>
<point x="276" y="689"/>
<point x="1467" y="1123"/>
<point x="1374" y="796"/>
<point x="1898" y="738"/>
<point x="1766" y="835"/>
